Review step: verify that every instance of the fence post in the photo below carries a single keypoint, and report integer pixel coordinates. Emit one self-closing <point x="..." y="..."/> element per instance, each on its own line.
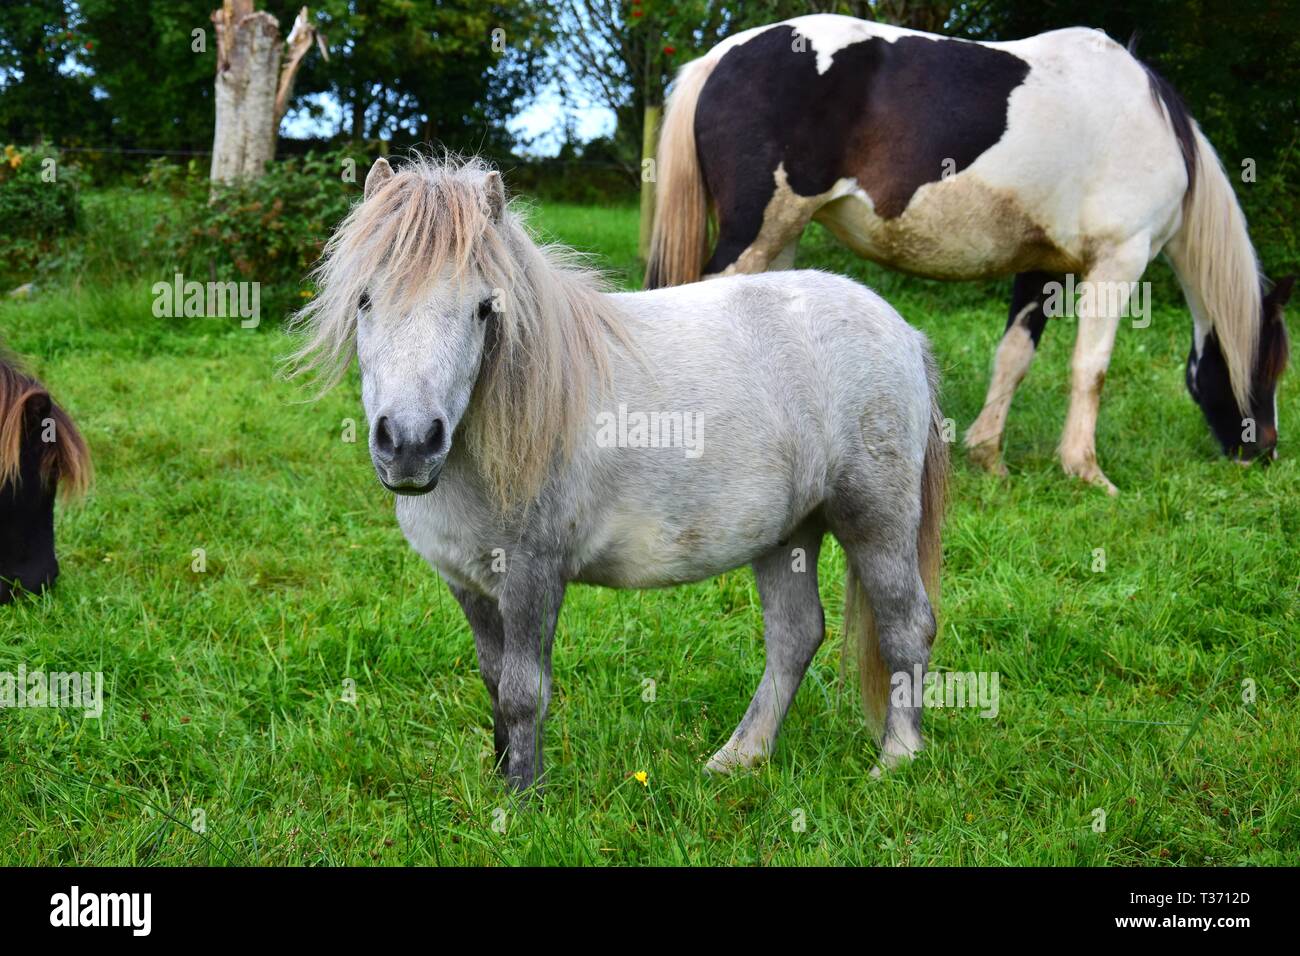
<point x="649" y="143"/>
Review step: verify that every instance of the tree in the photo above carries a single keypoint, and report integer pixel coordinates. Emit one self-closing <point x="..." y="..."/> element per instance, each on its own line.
<point x="43" y="93"/>
<point x="449" y="73"/>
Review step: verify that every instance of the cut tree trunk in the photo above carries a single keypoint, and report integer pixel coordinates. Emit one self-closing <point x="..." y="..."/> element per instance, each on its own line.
<point x="253" y="90"/>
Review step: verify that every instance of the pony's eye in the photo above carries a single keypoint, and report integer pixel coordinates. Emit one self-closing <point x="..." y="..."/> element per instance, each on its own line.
<point x="485" y="308"/>
<point x="363" y="304"/>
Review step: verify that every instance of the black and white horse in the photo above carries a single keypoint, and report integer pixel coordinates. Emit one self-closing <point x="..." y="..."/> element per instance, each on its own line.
<point x="952" y="159"/>
<point x="40" y="450"/>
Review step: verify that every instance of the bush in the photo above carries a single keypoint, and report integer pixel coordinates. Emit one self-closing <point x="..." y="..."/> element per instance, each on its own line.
<point x="1272" y="206"/>
<point x="270" y="230"/>
<point x="39" y="203"/>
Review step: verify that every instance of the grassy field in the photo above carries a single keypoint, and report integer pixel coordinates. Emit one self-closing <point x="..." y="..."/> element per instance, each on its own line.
<point x="227" y="702"/>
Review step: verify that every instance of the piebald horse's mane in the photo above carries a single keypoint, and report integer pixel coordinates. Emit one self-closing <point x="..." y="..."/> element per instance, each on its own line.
<point x="433" y="221"/>
<point x="65" y="460"/>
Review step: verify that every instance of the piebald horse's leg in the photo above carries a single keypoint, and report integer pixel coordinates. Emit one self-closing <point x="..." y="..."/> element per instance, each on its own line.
<point x="793" y="626"/>
<point x="1102" y="303"/>
<point x="1019" y="344"/>
<point x="785" y="258"/>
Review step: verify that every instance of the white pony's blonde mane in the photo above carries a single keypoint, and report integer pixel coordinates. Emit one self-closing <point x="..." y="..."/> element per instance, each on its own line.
<point x="553" y="332"/>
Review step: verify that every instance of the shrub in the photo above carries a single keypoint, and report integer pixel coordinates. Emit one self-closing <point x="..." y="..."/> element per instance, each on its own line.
<point x="270" y="230"/>
<point x="39" y="203"/>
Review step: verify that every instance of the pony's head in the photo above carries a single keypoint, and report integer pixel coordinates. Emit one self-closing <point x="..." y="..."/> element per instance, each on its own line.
<point x="467" y="334"/>
<point x="1251" y="433"/>
<point x="40" y="449"/>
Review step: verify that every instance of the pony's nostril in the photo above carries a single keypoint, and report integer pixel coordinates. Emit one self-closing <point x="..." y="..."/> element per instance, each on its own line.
<point x="433" y="440"/>
<point x="384" y="436"/>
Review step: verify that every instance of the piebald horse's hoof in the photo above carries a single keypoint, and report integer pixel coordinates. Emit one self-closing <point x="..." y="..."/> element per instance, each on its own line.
<point x="1093" y="475"/>
<point x="728" y="759"/>
<point x="988" y="456"/>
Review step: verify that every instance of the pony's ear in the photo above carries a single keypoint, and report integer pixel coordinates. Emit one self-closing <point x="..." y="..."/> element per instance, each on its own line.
<point x="37" y="408"/>
<point x="496" y="195"/>
<point x="1281" y="293"/>
<point x="379" y="174"/>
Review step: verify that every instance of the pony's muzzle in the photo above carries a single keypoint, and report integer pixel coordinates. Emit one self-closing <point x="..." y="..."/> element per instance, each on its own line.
<point x="408" y="455"/>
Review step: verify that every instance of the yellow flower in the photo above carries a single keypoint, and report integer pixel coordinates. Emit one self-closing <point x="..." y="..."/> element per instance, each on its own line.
<point x="15" y="160"/>
<point x="642" y="777"/>
<point x="306" y="293"/>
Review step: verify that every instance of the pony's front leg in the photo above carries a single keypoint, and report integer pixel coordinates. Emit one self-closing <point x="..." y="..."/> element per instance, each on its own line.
<point x="1103" y="301"/>
<point x="489" y="640"/>
<point x="530" y="606"/>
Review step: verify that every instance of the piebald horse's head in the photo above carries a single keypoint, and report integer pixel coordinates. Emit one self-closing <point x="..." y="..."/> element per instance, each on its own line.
<point x="1244" y="434"/>
<point x="40" y="450"/>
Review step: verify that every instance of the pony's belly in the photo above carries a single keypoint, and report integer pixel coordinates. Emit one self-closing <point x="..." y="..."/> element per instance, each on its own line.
<point x="958" y="228"/>
<point x="647" y="552"/>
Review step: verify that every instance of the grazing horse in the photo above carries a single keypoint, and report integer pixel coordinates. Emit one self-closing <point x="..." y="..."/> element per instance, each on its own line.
<point x="40" y="449"/>
<point x="538" y="431"/>
<point x="951" y="159"/>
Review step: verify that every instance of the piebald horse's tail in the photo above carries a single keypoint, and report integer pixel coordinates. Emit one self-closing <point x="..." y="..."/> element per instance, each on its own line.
<point x="1216" y="264"/>
<point x="859" y="622"/>
<point x="680" y="238"/>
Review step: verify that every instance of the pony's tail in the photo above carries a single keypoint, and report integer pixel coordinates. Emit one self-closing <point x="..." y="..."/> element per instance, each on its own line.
<point x="859" y="622"/>
<point x="680" y="237"/>
<point x="1217" y="267"/>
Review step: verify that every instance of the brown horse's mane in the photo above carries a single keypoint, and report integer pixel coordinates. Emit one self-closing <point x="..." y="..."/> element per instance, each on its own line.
<point x="65" y="460"/>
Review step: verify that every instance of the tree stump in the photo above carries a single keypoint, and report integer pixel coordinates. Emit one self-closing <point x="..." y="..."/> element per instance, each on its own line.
<point x="252" y="89"/>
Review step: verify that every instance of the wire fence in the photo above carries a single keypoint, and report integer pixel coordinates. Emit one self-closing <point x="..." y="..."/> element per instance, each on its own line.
<point x="301" y="146"/>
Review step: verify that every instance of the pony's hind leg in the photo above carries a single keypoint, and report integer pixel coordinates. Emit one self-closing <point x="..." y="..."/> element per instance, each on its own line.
<point x="1019" y="344"/>
<point x="897" y="627"/>
<point x="793" y="626"/>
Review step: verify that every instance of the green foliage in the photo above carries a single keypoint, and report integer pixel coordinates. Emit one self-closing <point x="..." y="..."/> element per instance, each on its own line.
<point x="444" y="73"/>
<point x="39" y="204"/>
<point x="270" y="230"/>
<point x="157" y="87"/>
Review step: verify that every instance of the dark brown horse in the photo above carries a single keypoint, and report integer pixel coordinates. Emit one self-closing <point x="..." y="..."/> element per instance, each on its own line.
<point x="40" y="451"/>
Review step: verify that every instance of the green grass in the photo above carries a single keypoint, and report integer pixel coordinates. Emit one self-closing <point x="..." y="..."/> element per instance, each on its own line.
<point x="1120" y="690"/>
